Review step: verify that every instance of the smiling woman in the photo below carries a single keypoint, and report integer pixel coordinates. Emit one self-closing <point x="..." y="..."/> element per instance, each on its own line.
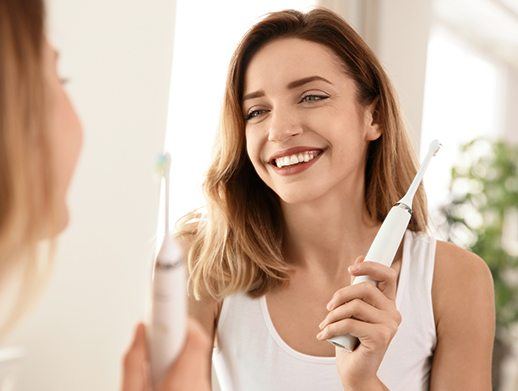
<point x="238" y="195"/>
<point x="311" y="155"/>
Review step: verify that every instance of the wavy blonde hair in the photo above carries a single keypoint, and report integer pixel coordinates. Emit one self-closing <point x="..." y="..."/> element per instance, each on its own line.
<point x="236" y="244"/>
<point x="27" y="199"/>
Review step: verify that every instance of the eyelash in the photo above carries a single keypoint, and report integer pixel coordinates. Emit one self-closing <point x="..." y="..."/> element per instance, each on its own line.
<point x="321" y="97"/>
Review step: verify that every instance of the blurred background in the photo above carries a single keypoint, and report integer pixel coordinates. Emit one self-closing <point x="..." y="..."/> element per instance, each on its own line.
<point x="149" y="76"/>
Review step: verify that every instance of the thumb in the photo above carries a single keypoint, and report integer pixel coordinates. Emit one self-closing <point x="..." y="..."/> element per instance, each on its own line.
<point x="135" y="373"/>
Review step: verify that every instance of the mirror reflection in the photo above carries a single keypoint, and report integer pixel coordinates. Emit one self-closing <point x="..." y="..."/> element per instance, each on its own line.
<point x="260" y="196"/>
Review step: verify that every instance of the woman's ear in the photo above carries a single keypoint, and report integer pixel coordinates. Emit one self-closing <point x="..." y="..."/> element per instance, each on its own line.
<point x="371" y="126"/>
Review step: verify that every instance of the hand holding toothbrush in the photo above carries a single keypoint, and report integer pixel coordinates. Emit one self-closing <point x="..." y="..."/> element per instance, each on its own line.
<point x="190" y="371"/>
<point x="389" y="236"/>
<point x="369" y="313"/>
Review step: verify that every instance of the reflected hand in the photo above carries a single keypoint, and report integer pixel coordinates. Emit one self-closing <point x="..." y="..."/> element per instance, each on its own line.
<point x="369" y="313"/>
<point x="190" y="371"/>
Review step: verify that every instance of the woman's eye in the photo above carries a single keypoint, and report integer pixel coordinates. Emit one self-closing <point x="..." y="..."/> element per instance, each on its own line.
<point x="251" y="114"/>
<point x="319" y="97"/>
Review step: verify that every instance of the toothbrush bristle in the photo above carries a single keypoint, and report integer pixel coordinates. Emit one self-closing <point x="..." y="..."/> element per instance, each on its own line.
<point x="435" y="145"/>
<point x="162" y="164"/>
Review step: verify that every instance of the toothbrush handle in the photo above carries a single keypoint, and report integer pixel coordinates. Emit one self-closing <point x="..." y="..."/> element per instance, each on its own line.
<point x="168" y="309"/>
<point x="382" y="250"/>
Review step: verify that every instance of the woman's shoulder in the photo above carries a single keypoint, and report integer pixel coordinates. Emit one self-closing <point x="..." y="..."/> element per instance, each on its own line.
<point x="449" y="255"/>
<point x="205" y="309"/>
<point x="454" y="265"/>
<point x="461" y="281"/>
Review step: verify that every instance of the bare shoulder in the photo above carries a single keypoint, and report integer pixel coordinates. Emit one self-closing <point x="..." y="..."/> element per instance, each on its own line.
<point x="464" y="310"/>
<point x="205" y="309"/>
<point x="462" y="282"/>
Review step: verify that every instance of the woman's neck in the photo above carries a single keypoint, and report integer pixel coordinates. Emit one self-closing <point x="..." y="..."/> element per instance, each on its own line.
<point x="326" y="235"/>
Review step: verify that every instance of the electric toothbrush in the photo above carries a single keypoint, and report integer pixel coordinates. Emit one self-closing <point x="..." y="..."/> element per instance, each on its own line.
<point x="387" y="240"/>
<point x="169" y="295"/>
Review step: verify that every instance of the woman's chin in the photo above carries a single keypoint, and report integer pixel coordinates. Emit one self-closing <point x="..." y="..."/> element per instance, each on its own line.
<point x="298" y="197"/>
<point x="56" y="227"/>
<point x="62" y="221"/>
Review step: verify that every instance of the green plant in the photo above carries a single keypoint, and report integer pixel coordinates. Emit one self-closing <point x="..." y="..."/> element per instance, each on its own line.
<point x="482" y="216"/>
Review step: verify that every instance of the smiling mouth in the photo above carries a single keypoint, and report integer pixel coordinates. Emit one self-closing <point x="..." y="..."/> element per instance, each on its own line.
<point x="296" y="159"/>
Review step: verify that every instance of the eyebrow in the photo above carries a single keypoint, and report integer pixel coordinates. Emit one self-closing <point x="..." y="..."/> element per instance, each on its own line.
<point x="290" y="86"/>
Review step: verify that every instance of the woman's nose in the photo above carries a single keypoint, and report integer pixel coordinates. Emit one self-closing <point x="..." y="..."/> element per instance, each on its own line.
<point x="283" y="127"/>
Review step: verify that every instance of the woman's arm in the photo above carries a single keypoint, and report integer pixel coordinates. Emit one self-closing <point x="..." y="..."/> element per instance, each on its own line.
<point x="206" y="312"/>
<point x="464" y="310"/>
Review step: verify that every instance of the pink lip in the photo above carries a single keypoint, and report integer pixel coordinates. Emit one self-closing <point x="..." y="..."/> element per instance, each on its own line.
<point x="291" y="170"/>
<point x="291" y="151"/>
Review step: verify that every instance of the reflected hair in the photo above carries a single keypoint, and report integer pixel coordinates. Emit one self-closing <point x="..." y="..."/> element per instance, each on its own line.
<point x="27" y="199"/>
<point x="235" y="244"/>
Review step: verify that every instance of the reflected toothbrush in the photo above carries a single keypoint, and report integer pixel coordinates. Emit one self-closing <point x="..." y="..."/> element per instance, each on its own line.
<point x="169" y="296"/>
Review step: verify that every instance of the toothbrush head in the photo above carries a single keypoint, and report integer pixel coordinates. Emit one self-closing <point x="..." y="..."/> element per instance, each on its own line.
<point x="163" y="164"/>
<point x="435" y="145"/>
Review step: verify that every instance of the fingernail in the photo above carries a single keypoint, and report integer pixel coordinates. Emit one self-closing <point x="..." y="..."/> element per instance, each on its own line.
<point x="329" y="306"/>
<point x="320" y="325"/>
<point x="319" y="335"/>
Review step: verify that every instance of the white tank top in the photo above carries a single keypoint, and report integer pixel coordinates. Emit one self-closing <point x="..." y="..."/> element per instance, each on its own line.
<point x="252" y="356"/>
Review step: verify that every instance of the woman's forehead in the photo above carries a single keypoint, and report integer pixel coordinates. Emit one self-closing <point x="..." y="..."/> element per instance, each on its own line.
<point x="285" y="60"/>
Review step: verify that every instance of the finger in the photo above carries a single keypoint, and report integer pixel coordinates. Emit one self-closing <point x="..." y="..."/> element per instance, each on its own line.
<point x="353" y="327"/>
<point x="135" y="372"/>
<point x="372" y="336"/>
<point x="385" y="276"/>
<point x="142" y="343"/>
<point x="357" y="261"/>
<point x="365" y="291"/>
<point x="140" y="338"/>
<point x="356" y="309"/>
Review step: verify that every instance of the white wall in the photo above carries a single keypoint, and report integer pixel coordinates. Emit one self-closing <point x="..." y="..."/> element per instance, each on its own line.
<point x="117" y="55"/>
<point x="402" y="41"/>
<point x="397" y="31"/>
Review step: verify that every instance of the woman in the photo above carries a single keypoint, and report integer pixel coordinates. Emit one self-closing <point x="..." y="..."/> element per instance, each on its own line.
<point x="40" y="141"/>
<point x="312" y="155"/>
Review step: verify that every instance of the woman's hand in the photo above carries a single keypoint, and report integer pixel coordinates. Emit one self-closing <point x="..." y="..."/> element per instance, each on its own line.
<point x="368" y="313"/>
<point x="189" y="372"/>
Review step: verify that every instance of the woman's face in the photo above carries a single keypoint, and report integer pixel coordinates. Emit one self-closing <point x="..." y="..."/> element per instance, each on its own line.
<point x="320" y="118"/>
<point x="65" y="134"/>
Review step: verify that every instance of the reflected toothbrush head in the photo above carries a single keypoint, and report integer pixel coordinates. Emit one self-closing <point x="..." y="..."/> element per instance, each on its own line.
<point x="435" y="145"/>
<point x="163" y="163"/>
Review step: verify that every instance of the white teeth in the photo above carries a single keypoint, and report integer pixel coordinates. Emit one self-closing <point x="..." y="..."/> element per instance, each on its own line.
<point x="295" y="159"/>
